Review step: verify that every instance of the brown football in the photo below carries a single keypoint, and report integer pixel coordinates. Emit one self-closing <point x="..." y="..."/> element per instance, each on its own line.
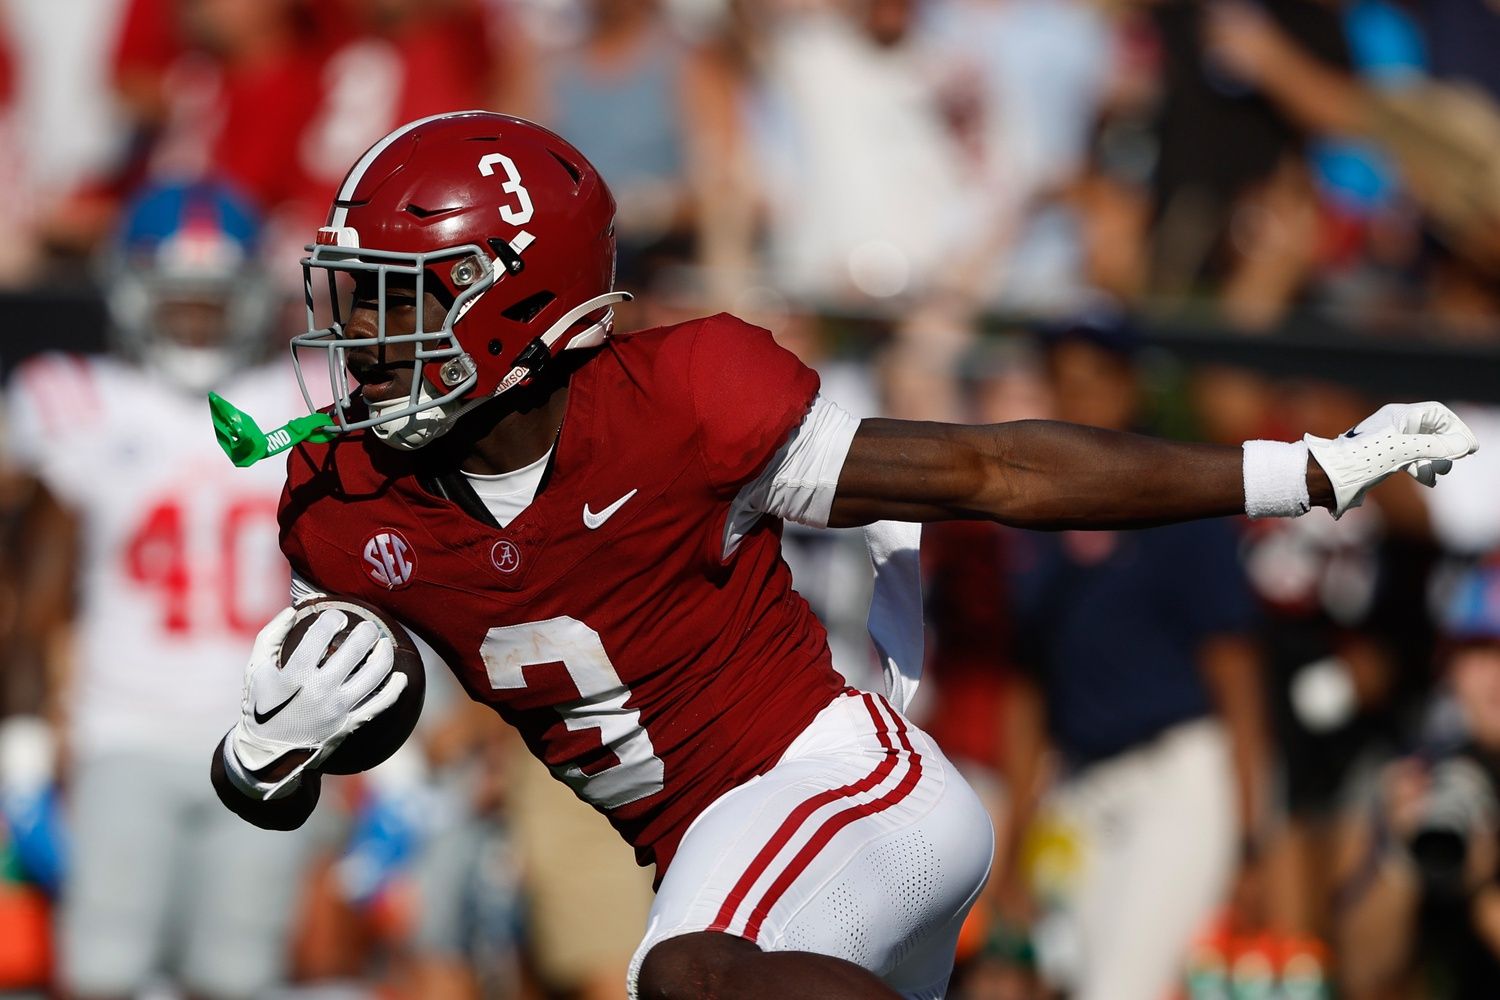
<point x="383" y="735"/>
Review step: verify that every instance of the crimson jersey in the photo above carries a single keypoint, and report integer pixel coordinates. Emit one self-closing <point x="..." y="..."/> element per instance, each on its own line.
<point x="648" y="670"/>
<point x="370" y="82"/>
<point x="284" y="127"/>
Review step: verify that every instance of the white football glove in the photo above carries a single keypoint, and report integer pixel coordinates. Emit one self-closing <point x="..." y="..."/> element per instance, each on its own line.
<point x="1422" y="438"/>
<point x="312" y="703"/>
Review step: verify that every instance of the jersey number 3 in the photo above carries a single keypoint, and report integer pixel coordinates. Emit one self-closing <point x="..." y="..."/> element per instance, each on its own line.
<point x="627" y="769"/>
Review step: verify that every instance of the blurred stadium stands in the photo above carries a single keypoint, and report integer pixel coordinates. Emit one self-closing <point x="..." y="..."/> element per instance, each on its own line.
<point x="1294" y="204"/>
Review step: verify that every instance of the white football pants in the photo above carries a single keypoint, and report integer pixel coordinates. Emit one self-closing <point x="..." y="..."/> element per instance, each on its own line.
<point x="863" y="842"/>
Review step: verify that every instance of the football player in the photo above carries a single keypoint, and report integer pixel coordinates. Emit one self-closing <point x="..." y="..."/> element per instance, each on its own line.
<point x="586" y="527"/>
<point x="174" y="573"/>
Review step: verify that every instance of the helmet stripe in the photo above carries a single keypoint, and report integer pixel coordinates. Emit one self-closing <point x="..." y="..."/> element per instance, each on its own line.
<point x="357" y="173"/>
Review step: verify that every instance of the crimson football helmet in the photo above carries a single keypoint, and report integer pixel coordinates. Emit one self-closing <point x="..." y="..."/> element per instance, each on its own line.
<point x="506" y="223"/>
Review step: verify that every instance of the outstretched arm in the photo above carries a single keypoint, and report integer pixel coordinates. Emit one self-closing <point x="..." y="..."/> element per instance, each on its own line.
<point x="1044" y="474"/>
<point x="1037" y="474"/>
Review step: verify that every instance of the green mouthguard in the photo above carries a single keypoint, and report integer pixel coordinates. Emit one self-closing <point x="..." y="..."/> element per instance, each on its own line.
<point x="245" y="443"/>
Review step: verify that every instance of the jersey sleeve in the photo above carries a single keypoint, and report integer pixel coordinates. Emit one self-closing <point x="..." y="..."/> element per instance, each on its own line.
<point x="42" y="415"/>
<point x="748" y="394"/>
<point x="19" y="424"/>
<point x="800" y="481"/>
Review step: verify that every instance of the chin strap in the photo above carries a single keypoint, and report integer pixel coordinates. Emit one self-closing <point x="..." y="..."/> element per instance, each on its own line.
<point x="594" y="335"/>
<point x="540" y="350"/>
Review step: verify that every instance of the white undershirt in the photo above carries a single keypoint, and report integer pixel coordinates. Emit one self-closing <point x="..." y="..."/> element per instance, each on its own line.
<point x="507" y="494"/>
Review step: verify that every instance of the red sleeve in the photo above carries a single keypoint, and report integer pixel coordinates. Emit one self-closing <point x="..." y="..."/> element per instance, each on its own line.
<point x="148" y="39"/>
<point x="748" y="395"/>
<point x="7" y="70"/>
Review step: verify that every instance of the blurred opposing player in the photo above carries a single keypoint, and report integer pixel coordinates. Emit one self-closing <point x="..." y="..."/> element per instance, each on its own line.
<point x="587" y="530"/>
<point x="176" y="569"/>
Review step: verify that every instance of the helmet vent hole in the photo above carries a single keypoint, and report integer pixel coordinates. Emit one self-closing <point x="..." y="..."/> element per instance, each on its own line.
<point x="424" y="213"/>
<point x="573" y="171"/>
<point x="527" y="309"/>
<point x="495" y="347"/>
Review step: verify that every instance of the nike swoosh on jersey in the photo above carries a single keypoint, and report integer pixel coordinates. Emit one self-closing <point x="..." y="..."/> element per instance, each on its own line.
<point x="592" y="520"/>
<point x="261" y="719"/>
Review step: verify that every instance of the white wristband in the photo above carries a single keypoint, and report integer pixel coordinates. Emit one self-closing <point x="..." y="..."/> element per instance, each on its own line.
<point x="1276" y="479"/>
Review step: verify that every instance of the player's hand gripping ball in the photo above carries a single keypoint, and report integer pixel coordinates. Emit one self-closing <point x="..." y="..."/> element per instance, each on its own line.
<point x="332" y="685"/>
<point x="372" y="739"/>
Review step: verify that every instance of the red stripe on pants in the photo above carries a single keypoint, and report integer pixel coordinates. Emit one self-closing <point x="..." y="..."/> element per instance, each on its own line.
<point x="830" y="829"/>
<point x="799" y="816"/>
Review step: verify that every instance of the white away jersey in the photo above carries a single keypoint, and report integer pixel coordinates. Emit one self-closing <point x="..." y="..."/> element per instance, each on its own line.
<point x="180" y="565"/>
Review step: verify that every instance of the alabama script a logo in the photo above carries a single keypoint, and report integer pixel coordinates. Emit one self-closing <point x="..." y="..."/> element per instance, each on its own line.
<point x="505" y="556"/>
<point x="390" y="558"/>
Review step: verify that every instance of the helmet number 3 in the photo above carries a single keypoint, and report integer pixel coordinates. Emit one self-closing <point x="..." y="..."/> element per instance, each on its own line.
<point x="521" y="213"/>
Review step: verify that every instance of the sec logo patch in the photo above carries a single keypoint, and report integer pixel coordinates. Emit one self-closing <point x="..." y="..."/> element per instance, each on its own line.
<point x="390" y="559"/>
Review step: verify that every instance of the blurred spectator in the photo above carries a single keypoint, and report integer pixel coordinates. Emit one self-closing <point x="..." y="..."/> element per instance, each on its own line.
<point x="1234" y="203"/>
<point x="586" y="899"/>
<point x="1465" y="519"/>
<point x="865" y="183"/>
<point x="418" y="894"/>
<point x="1433" y="852"/>
<point x="466" y="936"/>
<point x="1021" y="84"/>
<point x="63" y="129"/>
<point x="619" y="92"/>
<point x="281" y="96"/>
<point x="216" y="88"/>
<point x="1149" y="684"/>
<point x="1442" y="130"/>
<point x="176" y="569"/>
<point x="17" y="253"/>
<point x="390" y="62"/>
<point x="969" y="663"/>
<point x="33" y="608"/>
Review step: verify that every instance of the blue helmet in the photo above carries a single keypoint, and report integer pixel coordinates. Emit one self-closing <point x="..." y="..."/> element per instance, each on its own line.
<point x="187" y="295"/>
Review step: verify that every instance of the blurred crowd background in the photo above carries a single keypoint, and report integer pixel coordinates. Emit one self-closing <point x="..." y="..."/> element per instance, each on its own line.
<point x="1227" y="761"/>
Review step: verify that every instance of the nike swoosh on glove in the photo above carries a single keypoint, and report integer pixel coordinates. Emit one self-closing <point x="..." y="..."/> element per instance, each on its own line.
<point x="1422" y="438"/>
<point x="318" y="697"/>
